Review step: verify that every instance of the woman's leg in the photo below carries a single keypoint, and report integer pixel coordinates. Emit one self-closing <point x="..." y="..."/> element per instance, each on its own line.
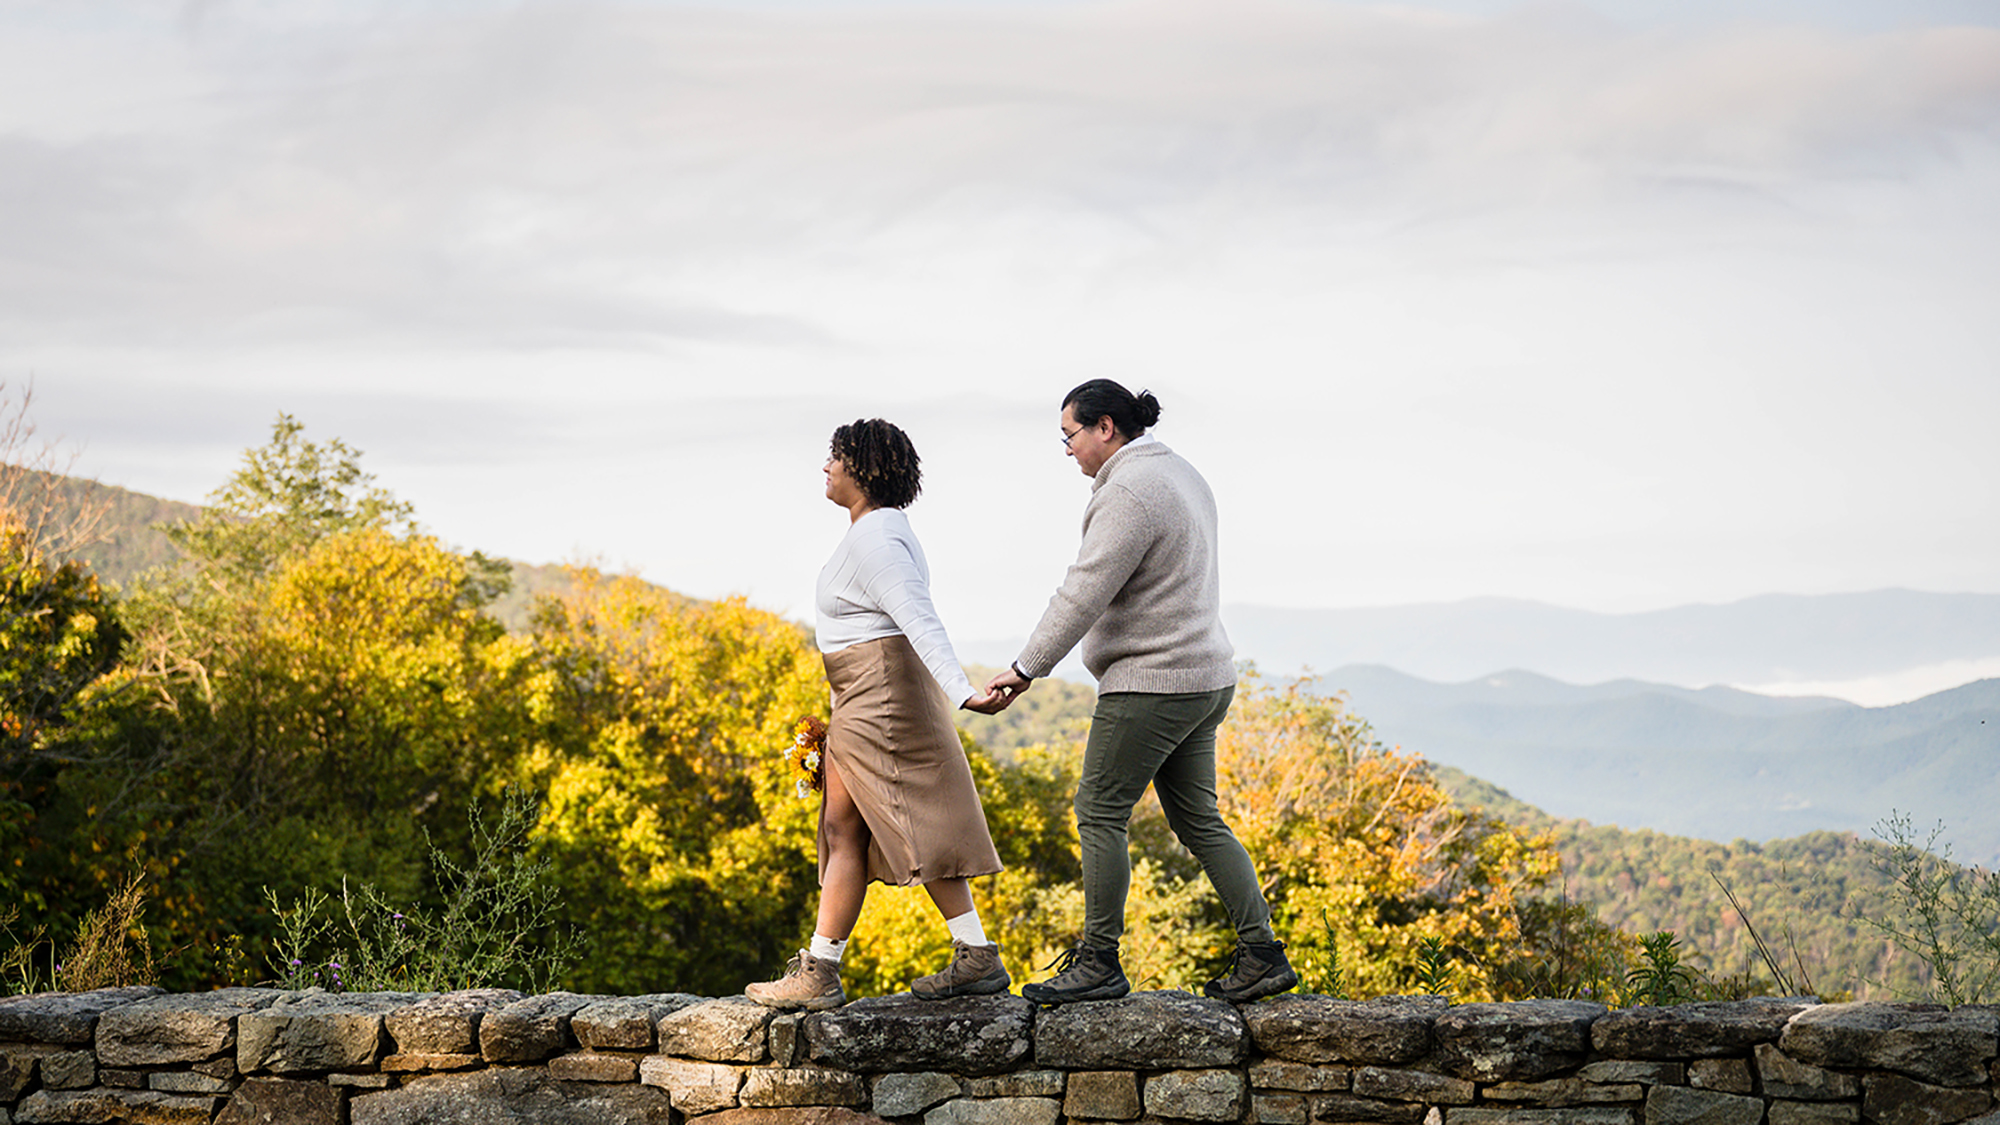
<point x="953" y="897"/>
<point x="975" y="968"/>
<point x="844" y="886"/>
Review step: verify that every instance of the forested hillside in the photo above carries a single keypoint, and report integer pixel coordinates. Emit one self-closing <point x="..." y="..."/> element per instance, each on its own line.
<point x="1800" y="894"/>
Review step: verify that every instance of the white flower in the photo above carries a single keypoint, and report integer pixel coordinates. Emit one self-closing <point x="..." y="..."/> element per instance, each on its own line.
<point x="812" y="760"/>
<point x="801" y="785"/>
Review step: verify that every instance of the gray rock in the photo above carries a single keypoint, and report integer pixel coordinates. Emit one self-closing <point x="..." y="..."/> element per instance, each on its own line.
<point x="1633" y="1070"/>
<point x="281" y="1101"/>
<point x="112" y="1107"/>
<point x="792" y="1115"/>
<point x="1717" y="1029"/>
<point x="316" y="1032"/>
<point x="1786" y="1077"/>
<point x="445" y="1024"/>
<point x="1511" y="1115"/>
<point x="968" y="1035"/>
<point x="1197" y="1095"/>
<point x="1924" y="1041"/>
<point x="182" y="1028"/>
<point x="1525" y="1040"/>
<point x="589" y="1066"/>
<point x="186" y="1082"/>
<point x="69" y="1070"/>
<point x="1146" y="1030"/>
<point x="1347" y="1107"/>
<point x="19" y="1066"/>
<point x="1564" y="1092"/>
<point x="693" y="1087"/>
<point x="787" y="1038"/>
<point x="996" y="1111"/>
<point x="731" y="1029"/>
<point x="1680" y="1105"/>
<point x="224" y="1068"/>
<point x="1102" y="1095"/>
<point x="509" y="1096"/>
<point x="626" y="1023"/>
<point x="1813" y="1113"/>
<point x="805" y="1085"/>
<point x="1278" y="1109"/>
<point x="409" y="1064"/>
<point x="122" y="1079"/>
<point x="1276" y="1074"/>
<point x="1412" y="1086"/>
<point x="532" y="1029"/>
<point x="1019" y="1084"/>
<point x="1731" y="1076"/>
<point x="361" y="1081"/>
<point x="1316" y="1029"/>
<point x="906" y="1095"/>
<point x="1891" y="1099"/>
<point x="68" y="1019"/>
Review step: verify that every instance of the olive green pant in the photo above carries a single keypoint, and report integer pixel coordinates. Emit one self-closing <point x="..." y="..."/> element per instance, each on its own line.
<point x="1137" y="738"/>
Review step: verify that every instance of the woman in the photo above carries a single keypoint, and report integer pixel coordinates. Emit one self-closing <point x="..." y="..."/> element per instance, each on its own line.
<point x="898" y="805"/>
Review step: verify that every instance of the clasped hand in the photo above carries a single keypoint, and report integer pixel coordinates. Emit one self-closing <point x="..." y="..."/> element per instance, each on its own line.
<point x="1001" y="691"/>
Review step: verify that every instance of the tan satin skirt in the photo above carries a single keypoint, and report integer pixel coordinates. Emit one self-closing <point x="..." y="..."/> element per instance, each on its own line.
<point x="892" y="741"/>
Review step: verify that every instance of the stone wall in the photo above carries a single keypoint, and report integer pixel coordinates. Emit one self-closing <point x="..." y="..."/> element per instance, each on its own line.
<point x="241" y="1055"/>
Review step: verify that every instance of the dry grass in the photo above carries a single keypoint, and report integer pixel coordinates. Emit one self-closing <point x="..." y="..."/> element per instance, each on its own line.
<point x="111" y="950"/>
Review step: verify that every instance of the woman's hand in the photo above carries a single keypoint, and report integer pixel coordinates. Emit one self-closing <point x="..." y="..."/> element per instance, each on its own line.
<point x="987" y="703"/>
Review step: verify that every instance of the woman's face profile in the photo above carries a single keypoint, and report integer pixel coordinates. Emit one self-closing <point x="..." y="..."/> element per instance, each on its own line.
<point x="840" y="487"/>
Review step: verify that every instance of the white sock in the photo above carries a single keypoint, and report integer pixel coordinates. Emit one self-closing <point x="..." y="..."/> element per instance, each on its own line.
<point x="827" y="949"/>
<point x="966" y="928"/>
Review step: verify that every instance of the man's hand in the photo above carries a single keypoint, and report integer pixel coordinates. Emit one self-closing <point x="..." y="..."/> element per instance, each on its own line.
<point x="1008" y="684"/>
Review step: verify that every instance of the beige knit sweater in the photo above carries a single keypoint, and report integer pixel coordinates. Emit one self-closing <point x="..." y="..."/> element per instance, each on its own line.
<point x="1143" y="595"/>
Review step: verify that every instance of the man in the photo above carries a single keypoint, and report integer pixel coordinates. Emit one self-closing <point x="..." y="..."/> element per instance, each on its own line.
<point x="1143" y="597"/>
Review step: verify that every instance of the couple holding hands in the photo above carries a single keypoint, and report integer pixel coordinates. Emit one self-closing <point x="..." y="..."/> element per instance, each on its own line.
<point x="898" y="803"/>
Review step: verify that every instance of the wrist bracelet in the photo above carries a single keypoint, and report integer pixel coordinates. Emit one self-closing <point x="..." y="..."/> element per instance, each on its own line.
<point x="1017" y="671"/>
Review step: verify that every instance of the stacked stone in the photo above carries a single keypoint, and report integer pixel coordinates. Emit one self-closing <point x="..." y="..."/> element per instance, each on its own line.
<point x="238" y="1056"/>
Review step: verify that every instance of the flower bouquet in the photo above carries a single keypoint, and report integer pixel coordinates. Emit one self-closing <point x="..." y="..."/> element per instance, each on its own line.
<point x="806" y="756"/>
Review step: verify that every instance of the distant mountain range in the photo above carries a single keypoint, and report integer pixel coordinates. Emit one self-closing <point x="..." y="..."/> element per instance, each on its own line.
<point x="1716" y="763"/>
<point x="1775" y="638"/>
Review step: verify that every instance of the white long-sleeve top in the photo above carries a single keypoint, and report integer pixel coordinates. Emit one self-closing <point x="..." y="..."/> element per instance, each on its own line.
<point x="876" y="585"/>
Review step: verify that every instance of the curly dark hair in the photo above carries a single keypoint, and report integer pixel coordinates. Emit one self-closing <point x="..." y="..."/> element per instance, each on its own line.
<point x="882" y="461"/>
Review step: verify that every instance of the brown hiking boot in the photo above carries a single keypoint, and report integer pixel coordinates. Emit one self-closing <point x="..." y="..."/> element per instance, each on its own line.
<point x="1256" y="970"/>
<point x="1083" y="972"/>
<point x="808" y="983"/>
<point x="975" y="970"/>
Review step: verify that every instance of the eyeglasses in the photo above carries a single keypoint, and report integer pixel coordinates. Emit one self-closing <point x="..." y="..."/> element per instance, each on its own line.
<point x="1069" y="436"/>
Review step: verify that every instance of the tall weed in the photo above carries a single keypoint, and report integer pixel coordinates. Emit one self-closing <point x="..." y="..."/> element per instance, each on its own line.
<point x="111" y="948"/>
<point x="1946" y="915"/>
<point x="19" y="974"/>
<point x="488" y="934"/>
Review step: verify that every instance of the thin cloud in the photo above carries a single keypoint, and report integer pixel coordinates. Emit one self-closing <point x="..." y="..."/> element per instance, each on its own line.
<point x="1568" y="309"/>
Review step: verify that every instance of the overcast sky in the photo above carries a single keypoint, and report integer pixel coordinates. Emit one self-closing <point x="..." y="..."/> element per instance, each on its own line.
<point x="1610" y="305"/>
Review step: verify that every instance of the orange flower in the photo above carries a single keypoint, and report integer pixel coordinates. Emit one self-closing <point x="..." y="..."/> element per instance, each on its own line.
<point x="807" y="754"/>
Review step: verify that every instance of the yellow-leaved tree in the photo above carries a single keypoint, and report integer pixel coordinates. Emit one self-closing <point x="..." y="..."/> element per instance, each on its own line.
<point x="1363" y="855"/>
<point x="312" y="691"/>
<point x="685" y="856"/>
